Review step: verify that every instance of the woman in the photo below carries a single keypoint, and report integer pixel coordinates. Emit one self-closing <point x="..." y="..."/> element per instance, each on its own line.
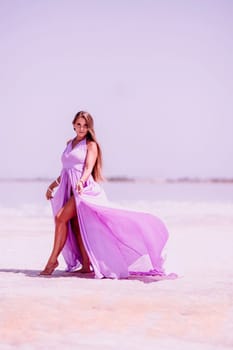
<point x="90" y="232"/>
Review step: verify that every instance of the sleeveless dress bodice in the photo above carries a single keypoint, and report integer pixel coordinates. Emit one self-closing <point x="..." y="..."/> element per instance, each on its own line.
<point x="74" y="158"/>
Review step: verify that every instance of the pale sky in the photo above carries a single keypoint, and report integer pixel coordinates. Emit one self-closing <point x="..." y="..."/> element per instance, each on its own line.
<point x="157" y="76"/>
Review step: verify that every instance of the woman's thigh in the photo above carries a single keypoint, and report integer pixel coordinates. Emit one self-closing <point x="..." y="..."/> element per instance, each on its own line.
<point x="68" y="211"/>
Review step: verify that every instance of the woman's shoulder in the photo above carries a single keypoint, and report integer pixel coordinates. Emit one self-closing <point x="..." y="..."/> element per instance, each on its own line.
<point x="91" y="144"/>
<point x="67" y="142"/>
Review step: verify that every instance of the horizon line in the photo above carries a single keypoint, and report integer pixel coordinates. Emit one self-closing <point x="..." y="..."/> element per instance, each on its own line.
<point x="182" y="179"/>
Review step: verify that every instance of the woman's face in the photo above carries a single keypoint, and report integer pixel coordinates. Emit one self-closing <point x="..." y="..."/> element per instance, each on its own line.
<point x="81" y="127"/>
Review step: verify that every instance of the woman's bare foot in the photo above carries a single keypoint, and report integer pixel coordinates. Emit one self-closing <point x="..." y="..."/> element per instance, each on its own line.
<point x="85" y="269"/>
<point x="49" y="268"/>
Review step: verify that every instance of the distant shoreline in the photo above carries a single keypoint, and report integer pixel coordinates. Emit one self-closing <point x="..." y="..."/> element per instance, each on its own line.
<point x="124" y="179"/>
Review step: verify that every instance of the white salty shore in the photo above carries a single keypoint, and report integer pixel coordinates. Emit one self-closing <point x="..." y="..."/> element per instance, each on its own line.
<point x="69" y="311"/>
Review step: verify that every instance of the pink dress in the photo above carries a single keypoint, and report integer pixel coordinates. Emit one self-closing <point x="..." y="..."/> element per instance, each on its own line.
<point x="119" y="242"/>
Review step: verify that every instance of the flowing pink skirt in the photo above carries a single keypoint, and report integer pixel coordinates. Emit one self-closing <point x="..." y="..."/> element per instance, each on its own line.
<point x="119" y="242"/>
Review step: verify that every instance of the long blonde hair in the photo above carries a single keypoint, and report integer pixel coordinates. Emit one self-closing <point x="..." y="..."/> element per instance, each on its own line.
<point x="97" y="169"/>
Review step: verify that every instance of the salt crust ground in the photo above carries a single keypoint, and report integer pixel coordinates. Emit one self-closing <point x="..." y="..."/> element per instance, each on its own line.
<point x="72" y="311"/>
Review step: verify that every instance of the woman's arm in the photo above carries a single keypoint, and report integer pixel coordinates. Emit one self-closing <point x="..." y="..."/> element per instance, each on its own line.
<point x="92" y="152"/>
<point x="51" y="187"/>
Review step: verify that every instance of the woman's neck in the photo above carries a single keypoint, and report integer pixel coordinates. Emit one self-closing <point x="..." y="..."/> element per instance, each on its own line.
<point x="78" y="139"/>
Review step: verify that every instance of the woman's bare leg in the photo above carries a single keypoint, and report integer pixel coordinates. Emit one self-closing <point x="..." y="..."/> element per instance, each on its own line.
<point x="61" y="219"/>
<point x="85" y="259"/>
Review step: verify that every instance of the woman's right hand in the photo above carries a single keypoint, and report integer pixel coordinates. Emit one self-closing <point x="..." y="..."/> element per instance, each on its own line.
<point x="54" y="184"/>
<point x="49" y="193"/>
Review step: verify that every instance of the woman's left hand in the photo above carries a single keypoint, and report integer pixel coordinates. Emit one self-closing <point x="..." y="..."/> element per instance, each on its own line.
<point x="79" y="187"/>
